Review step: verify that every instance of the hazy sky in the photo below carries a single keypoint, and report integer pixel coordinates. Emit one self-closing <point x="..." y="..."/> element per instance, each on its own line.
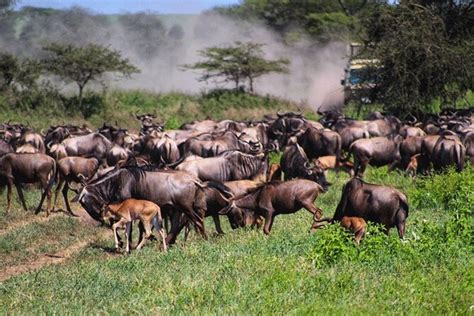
<point x="121" y="6"/>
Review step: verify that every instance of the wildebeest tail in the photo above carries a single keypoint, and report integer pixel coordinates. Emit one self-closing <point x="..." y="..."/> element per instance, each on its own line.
<point x="403" y="204"/>
<point x="459" y="159"/>
<point x="52" y="176"/>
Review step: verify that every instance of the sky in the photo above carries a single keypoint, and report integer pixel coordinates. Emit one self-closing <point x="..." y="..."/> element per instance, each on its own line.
<point x="122" y="6"/>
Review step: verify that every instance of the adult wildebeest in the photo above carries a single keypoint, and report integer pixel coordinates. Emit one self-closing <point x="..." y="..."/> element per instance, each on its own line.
<point x="90" y="145"/>
<point x="448" y="151"/>
<point x="211" y="145"/>
<point x="377" y="151"/>
<point x="165" y="150"/>
<point x="376" y="203"/>
<point x="174" y="191"/>
<point x="274" y="198"/>
<point x="295" y="164"/>
<point x="16" y="169"/>
<point x="73" y="169"/>
<point x="318" y="143"/>
<point x="287" y="125"/>
<point x="231" y="165"/>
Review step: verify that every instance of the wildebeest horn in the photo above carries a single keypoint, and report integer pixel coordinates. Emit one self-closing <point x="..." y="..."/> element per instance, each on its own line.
<point x="414" y="120"/>
<point x="308" y="165"/>
<point x="280" y="113"/>
<point x="42" y="132"/>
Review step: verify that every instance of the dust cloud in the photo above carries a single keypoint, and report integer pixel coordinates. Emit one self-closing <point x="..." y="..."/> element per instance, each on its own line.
<point x="161" y="45"/>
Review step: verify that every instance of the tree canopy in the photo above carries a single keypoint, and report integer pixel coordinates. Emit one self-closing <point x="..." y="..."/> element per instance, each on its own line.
<point x="426" y="52"/>
<point x="238" y="63"/>
<point x="85" y="63"/>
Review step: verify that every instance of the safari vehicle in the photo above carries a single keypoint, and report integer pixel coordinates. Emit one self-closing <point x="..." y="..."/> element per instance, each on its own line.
<point x="360" y="76"/>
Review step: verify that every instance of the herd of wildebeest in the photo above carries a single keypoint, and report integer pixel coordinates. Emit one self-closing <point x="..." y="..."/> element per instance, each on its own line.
<point x="171" y="180"/>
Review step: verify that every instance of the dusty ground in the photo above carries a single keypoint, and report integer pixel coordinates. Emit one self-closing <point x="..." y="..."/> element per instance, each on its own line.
<point x="57" y="257"/>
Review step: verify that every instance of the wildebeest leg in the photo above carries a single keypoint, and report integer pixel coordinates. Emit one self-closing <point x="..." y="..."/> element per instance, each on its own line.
<point x="401" y="229"/>
<point x="66" y="201"/>
<point x="268" y="221"/>
<point x="128" y="236"/>
<point x="158" y="224"/>
<point x="316" y="211"/>
<point x="141" y="230"/>
<point x="359" y="235"/>
<point x="56" y="193"/>
<point x="401" y="218"/>
<point x="9" y="195"/>
<point x="217" y="222"/>
<point x="393" y="165"/>
<point x="44" y="184"/>
<point x="178" y="221"/>
<point x="20" y="194"/>
<point x="115" y="227"/>
<point x="147" y="227"/>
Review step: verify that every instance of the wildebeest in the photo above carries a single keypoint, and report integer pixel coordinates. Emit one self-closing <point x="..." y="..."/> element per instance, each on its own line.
<point x="352" y="223"/>
<point x="117" y="153"/>
<point x="73" y="169"/>
<point x="317" y="143"/>
<point x="448" y="151"/>
<point x="231" y="165"/>
<point x="165" y="150"/>
<point x="376" y="203"/>
<point x="377" y="151"/>
<point x="211" y="145"/>
<point x="274" y="198"/>
<point x="287" y="125"/>
<point x="331" y="162"/>
<point x="124" y="213"/>
<point x="16" y="169"/>
<point x="27" y="149"/>
<point x="90" y="145"/>
<point x="174" y="191"/>
<point x="412" y="167"/>
<point x="295" y="164"/>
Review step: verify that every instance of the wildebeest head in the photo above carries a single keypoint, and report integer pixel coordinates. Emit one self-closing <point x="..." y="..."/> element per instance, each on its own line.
<point x="316" y="174"/>
<point x="287" y="125"/>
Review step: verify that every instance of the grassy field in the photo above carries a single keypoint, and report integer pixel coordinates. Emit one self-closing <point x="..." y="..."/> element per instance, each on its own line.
<point x="73" y="270"/>
<point x="245" y="272"/>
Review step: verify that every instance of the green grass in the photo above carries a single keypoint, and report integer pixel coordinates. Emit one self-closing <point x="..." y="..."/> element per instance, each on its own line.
<point x="290" y="271"/>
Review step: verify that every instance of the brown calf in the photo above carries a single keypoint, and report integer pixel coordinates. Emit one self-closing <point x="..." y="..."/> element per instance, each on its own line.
<point x="355" y="225"/>
<point x="352" y="223"/>
<point x="331" y="162"/>
<point x="413" y="165"/>
<point x="148" y="213"/>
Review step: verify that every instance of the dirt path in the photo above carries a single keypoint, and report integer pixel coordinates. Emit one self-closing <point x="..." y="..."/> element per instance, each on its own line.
<point x="58" y="257"/>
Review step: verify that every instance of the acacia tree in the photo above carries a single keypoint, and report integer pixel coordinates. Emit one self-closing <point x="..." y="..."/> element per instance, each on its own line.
<point x="86" y="63"/>
<point x="238" y="63"/>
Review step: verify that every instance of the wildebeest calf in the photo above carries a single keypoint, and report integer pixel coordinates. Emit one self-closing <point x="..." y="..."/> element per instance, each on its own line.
<point x="351" y="223"/>
<point x="148" y="213"/>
